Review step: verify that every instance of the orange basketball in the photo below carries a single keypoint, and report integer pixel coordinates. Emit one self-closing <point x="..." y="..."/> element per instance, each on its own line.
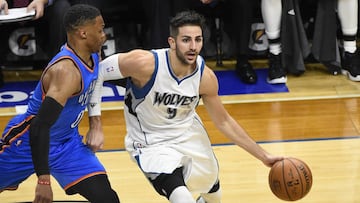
<point x="290" y="179"/>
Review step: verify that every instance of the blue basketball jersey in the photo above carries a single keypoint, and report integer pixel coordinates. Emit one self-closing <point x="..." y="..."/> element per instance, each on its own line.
<point x="70" y="160"/>
<point x="73" y="111"/>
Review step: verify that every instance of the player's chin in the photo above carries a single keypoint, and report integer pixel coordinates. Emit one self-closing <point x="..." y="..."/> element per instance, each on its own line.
<point x="98" y="47"/>
<point x="191" y="58"/>
<point x="97" y="50"/>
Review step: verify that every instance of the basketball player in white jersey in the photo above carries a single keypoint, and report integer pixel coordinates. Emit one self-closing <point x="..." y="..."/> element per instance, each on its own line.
<point x="348" y="15"/>
<point x="165" y="136"/>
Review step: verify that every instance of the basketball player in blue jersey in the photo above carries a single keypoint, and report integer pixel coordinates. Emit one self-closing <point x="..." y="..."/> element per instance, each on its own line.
<point x="45" y="139"/>
<point x="165" y="135"/>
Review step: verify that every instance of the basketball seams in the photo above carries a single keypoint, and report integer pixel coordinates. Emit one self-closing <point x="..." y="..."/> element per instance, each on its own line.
<point x="309" y="175"/>
<point x="284" y="178"/>
<point x="299" y="175"/>
<point x="271" y="176"/>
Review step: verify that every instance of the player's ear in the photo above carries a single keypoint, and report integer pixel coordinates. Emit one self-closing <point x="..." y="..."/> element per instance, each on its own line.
<point x="82" y="33"/>
<point x="171" y="42"/>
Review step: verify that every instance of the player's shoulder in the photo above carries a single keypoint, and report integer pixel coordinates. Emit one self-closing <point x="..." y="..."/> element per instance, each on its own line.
<point x="140" y="53"/>
<point x="64" y="63"/>
<point x="136" y="56"/>
<point x="208" y="72"/>
<point x="208" y="77"/>
<point x="63" y="68"/>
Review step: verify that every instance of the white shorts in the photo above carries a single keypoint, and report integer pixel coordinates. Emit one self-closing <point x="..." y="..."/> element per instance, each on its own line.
<point x="192" y="150"/>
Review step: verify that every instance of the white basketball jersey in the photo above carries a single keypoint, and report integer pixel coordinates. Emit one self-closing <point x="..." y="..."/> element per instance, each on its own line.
<point x="165" y="107"/>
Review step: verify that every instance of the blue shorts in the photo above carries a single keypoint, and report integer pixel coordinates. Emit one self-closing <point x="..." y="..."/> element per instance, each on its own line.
<point x="70" y="161"/>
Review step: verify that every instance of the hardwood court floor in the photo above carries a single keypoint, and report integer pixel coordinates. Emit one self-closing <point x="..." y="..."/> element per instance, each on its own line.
<point x="316" y="121"/>
<point x="335" y="166"/>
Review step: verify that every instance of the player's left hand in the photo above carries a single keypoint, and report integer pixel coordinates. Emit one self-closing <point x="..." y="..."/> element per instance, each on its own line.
<point x="95" y="139"/>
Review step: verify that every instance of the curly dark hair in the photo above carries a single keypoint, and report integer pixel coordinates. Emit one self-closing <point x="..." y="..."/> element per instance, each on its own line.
<point x="79" y="15"/>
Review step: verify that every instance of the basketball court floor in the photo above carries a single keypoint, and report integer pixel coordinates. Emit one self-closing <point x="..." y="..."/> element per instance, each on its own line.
<point x="317" y="120"/>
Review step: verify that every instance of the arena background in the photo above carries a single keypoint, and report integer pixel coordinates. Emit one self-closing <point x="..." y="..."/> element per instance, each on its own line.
<point x="23" y="45"/>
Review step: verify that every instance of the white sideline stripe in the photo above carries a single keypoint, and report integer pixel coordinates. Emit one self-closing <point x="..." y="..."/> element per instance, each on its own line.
<point x="118" y="105"/>
<point x="238" y="101"/>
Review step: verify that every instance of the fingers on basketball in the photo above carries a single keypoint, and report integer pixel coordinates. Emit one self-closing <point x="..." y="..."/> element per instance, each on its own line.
<point x="290" y="179"/>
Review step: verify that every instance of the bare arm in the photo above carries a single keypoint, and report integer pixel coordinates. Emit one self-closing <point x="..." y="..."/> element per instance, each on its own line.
<point x="137" y="64"/>
<point x="53" y="81"/>
<point x="226" y="123"/>
<point x="56" y="94"/>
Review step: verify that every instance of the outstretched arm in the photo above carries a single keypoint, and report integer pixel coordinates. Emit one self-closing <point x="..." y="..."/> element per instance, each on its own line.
<point x="226" y="123"/>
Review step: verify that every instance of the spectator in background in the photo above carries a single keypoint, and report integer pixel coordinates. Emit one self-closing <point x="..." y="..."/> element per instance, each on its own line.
<point x="324" y="46"/>
<point x="3" y="11"/>
<point x="242" y="15"/>
<point x="53" y="12"/>
<point x="348" y="14"/>
<point x="271" y="11"/>
<point x="49" y="13"/>
<point x="53" y="15"/>
<point x="158" y="14"/>
<point x="325" y="43"/>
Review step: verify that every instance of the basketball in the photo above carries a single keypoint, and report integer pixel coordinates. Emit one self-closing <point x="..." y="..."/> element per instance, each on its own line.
<point x="290" y="179"/>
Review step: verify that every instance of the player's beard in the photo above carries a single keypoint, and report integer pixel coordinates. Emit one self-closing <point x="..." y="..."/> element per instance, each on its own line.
<point x="182" y="57"/>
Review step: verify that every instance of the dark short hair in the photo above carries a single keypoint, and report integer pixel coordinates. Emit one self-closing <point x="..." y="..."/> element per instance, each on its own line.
<point x="185" y="18"/>
<point x="79" y="15"/>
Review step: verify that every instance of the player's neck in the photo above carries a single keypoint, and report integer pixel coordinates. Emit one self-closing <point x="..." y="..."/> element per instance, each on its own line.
<point x="179" y="68"/>
<point x="85" y="56"/>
